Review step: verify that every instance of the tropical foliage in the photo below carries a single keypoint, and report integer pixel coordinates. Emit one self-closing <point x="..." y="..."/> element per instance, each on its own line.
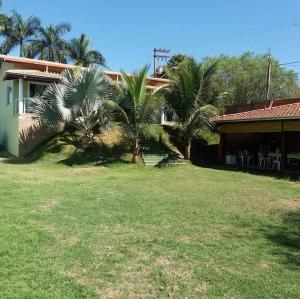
<point x="135" y="108"/>
<point x="49" y="43"/>
<point x="77" y="101"/>
<point x="80" y="52"/>
<point x="17" y="31"/>
<point x="187" y="99"/>
<point x="243" y="79"/>
<point x="35" y="41"/>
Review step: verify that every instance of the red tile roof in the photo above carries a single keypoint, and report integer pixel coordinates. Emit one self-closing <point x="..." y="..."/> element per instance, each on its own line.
<point x="270" y="113"/>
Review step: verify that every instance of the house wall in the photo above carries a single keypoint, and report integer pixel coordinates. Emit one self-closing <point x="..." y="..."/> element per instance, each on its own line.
<point x="9" y="122"/>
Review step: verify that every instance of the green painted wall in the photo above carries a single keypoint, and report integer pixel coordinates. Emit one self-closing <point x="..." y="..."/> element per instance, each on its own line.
<point x="9" y="122"/>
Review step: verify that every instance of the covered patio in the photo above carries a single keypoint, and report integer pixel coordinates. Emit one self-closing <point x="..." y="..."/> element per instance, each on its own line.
<point x="267" y="138"/>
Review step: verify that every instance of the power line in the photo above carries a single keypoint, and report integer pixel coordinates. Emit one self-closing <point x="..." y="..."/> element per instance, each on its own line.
<point x="292" y="62"/>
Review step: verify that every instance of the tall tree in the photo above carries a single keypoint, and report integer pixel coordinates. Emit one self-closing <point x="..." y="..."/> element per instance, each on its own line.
<point x="79" y="50"/>
<point x="172" y="64"/>
<point x="49" y="43"/>
<point x="243" y="79"/>
<point x="18" y="32"/>
<point x="135" y="108"/>
<point x="187" y="99"/>
<point x="176" y="60"/>
<point x="3" y="19"/>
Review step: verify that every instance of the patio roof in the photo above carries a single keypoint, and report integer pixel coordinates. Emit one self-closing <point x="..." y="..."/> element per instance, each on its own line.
<point x="33" y="75"/>
<point x="284" y="111"/>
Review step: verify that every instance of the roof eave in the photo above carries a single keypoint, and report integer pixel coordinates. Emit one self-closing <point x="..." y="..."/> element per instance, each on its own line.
<point x="257" y="119"/>
<point x="30" y="78"/>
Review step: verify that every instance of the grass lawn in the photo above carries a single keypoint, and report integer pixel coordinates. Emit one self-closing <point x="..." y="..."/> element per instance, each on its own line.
<point x="119" y="231"/>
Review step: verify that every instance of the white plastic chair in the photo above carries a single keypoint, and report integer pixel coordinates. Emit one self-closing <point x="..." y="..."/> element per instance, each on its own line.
<point x="277" y="162"/>
<point x="261" y="160"/>
<point x="248" y="157"/>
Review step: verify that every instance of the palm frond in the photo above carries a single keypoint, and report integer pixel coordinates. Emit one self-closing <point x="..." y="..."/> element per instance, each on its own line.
<point x="186" y="96"/>
<point x="79" y="51"/>
<point x="77" y="100"/>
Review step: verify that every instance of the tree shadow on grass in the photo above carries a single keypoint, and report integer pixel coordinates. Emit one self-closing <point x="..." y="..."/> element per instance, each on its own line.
<point x="98" y="154"/>
<point x="54" y="146"/>
<point x="61" y="149"/>
<point x="287" y="238"/>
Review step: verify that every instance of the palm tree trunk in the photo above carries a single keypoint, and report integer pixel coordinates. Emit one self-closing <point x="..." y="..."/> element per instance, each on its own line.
<point x="135" y="151"/>
<point x="21" y="49"/>
<point x="187" y="148"/>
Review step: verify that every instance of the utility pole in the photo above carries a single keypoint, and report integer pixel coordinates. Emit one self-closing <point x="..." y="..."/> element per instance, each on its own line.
<point x="269" y="76"/>
<point x="154" y="62"/>
<point x="159" y="54"/>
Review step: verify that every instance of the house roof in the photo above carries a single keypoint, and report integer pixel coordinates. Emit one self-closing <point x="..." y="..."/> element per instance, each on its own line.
<point x="41" y="76"/>
<point x="36" y="64"/>
<point x="34" y="75"/>
<point x="50" y="66"/>
<point x="283" y="111"/>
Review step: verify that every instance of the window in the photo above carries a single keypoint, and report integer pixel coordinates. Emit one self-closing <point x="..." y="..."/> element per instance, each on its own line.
<point x="36" y="89"/>
<point x="9" y="95"/>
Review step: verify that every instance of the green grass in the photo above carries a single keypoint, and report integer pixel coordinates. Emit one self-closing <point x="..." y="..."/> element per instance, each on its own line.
<point x="74" y="230"/>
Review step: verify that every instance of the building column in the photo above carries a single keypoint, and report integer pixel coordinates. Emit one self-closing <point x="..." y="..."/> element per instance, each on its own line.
<point x="21" y="96"/>
<point x="222" y="148"/>
<point x="283" y="161"/>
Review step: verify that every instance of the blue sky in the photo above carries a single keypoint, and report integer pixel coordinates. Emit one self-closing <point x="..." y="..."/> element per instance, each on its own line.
<point x="127" y="31"/>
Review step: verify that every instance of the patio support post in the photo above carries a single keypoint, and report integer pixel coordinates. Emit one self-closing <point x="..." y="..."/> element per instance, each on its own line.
<point x="283" y="160"/>
<point x="221" y="148"/>
<point x="21" y="96"/>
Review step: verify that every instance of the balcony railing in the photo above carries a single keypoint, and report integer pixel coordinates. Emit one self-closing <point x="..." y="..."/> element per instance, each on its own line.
<point x="27" y="106"/>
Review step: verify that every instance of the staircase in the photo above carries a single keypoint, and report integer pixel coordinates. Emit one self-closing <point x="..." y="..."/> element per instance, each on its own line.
<point x="153" y="159"/>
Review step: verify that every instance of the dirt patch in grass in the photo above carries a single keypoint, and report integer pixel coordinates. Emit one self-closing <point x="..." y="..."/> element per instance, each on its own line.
<point x="201" y="288"/>
<point x="292" y="204"/>
<point x="71" y="241"/>
<point x="185" y="240"/>
<point x="84" y="170"/>
<point x="263" y="265"/>
<point x="126" y="286"/>
<point x="48" y="205"/>
<point x="161" y="261"/>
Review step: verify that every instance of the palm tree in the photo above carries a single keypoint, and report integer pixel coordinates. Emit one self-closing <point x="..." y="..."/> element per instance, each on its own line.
<point x="135" y="108"/>
<point x="3" y="20"/>
<point x="77" y="101"/>
<point x="49" y="43"/>
<point x="18" y="32"/>
<point x="186" y="97"/>
<point x="79" y="51"/>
